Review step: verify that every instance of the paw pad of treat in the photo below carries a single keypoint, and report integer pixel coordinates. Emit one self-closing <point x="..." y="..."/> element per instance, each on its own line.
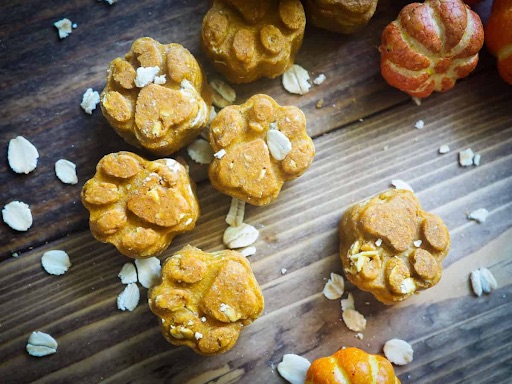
<point x="341" y="16"/>
<point x="204" y="299"/>
<point x="379" y="246"/>
<point x="139" y="205"/>
<point x="257" y="160"/>
<point x="249" y="40"/>
<point x="156" y="97"/>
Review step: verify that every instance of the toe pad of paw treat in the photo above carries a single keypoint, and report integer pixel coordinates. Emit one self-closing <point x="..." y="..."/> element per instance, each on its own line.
<point x="392" y="248"/>
<point x="203" y="300"/>
<point x="139" y="205"/>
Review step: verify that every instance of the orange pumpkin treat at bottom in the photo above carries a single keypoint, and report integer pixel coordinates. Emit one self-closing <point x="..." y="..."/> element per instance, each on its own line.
<point x="498" y="36"/>
<point x="351" y="366"/>
<point x="259" y="145"/>
<point x="430" y="45"/>
<point x="204" y="299"/>
<point x="139" y="205"/>
<point x="392" y="248"/>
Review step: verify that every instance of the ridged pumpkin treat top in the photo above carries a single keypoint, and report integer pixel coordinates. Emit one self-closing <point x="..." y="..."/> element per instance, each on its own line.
<point x="139" y="205"/>
<point x="247" y="40"/>
<point x="498" y="36"/>
<point x="391" y="247"/>
<point x="351" y="366"/>
<point x="430" y="45"/>
<point x="156" y="97"/>
<point x="203" y="300"/>
<point x="259" y="145"/>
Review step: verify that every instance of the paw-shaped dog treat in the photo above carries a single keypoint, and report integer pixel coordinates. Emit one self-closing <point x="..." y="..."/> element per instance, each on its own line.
<point x="259" y="145"/>
<point x="204" y="299"/>
<point x="248" y="40"/>
<point x="392" y="248"/>
<point x="341" y="16"/>
<point x="139" y="205"/>
<point x="156" y="97"/>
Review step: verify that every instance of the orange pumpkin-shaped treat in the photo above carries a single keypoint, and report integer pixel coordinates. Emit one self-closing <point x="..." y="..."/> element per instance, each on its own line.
<point x="430" y="45"/>
<point x="351" y="366"/>
<point x="498" y="36"/>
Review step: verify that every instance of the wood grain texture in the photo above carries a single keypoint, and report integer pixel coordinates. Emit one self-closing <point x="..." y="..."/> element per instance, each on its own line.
<point x="457" y="337"/>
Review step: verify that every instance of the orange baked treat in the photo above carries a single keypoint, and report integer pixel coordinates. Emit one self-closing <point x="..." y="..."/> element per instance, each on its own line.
<point x="392" y="248"/>
<point x="498" y="36"/>
<point x="259" y="145"/>
<point x="156" y="97"/>
<point x="247" y="40"/>
<point x="204" y="299"/>
<point x="341" y="16"/>
<point x="430" y="45"/>
<point x="139" y="205"/>
<point x="351" y="366"/>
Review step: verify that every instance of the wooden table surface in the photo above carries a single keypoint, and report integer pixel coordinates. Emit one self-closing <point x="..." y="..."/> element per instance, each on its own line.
<point x="364" y="137"/>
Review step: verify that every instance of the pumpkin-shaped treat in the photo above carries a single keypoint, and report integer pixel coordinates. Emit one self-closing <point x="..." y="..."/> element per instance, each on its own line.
<point x="498" y="36"/>
<point x="430" y="45"/>
<point x="351" y="366"/>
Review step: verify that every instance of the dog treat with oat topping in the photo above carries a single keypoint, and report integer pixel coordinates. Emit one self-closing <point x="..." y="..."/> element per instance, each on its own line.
<point x="157" y="97"/>
<point x="139" y="205"/>
<point x="262" y="145"/>
<point x="392" y="248"/>
<point x="248" y="40"/>
<point x="204" y="299"/>
<point x="341" y="16"/>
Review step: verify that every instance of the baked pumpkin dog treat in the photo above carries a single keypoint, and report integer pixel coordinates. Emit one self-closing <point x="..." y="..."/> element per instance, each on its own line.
<point x="156" y="97"/>
<point x="139" y="205"/>
<point x="430" y="45"/>
<point x="341" y="16"/>
<point x="392" y="248"/>
<point x="259" y="145"/>
<point x="247" y="40"/>
<point x="204" y="299"/>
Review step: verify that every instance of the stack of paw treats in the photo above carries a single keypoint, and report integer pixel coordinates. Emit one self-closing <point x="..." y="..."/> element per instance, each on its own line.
<point x="157" y="98"/>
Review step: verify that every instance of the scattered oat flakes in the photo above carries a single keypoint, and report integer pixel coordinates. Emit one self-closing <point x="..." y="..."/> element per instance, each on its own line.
<point x="90" y="100"/>
<point x="65" y="27"/>
<point x="148" y="271"/>
<point x="200" y="151"/>
<point x="482" y="281"/>
<point x="17" y="215"/>
<point x="420" y="124"/>
<point x="160" y="80"/>
<point x="296" y="80"/>
<point x="236" y="212"/>
<point x="359" y="335"/>
<point x="220" y="154"/>
<point x="400" y="184"/>
<point x="334" y="287"/>
<point x="417" y="243"/>
<point x="378" y="242"/>
<point x="293" y="368"/>
<point x="354" y="320"/>
<point x="479" y="215"/>
<point x="145" y="76"/>
<point x="128" y="274"/>
<point x="249" y="251"/>
<point x="444" y="149"/>
<point x="223" y="94"/>
<point x="22" y="155"/>
<point x="466" y="157"/>
<point x="416" y="100"/>
<point x="41" y="344"/>
<point x="476" y="282"/>
<point x="66" y="171"/>
<point x="241" y="236"/>
<point x="320" y="103"/>
<point x="111" y="1"/>
<point x="278" y="144"/>
<point x="319" y="79"/>
<point x="476" y="159"/>
<point x="348" y="303"/>
<point x="55" y="262"/>
<point x="398" y="351"/>
<point x="129" y="298"/>
<point x="283" y="271"/>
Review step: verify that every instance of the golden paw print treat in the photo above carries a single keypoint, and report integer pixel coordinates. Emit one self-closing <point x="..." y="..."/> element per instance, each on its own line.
<point x="204" y="299"/>
<point x="248" y="40"/>
<point x="341" y="16"/>
<point x="139" y="205"/>
<point x="258" y="146"/>
<point x="156" y="97"/>
<point x="391" y="247"/>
